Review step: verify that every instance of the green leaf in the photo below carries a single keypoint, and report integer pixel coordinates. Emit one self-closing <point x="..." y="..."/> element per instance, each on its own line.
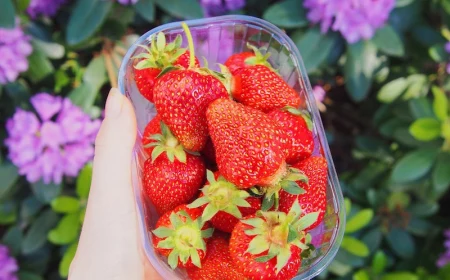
<point x="25" y="275"/>
<point x="387" y="40"/>
<point x="392" y="90"/>
<point x="314" y="46"/>
<point x="438" y="53"/>
<point x="355" y="246"/>
<point x="402" y="3"/>
<point x="13" y="239"/>
<point x="441" y="175"/>
<point x="30" y="207"/>
<point x="379" y="262"/>
<point x="186" y="9"/>
<point x="84" y="181"/>
<point x="373" y="239"/>
<point x="358" y="221"/>
<point x="64" y="265"/>
<point x="425" y="129"/>
<point x="424" y="208"/>
<point x="95" y="73"/>
<point x="414" y="165"/>
<point x="361" y="275"/>
<point x="421" y="108"/>
<point x="39" y="66"/>
<point x="287" y="14"/>
<point x="66" y="231"/>
<point x="398" y="199"/>
<point x="359" y="69"/>
<point x="420" y="227"/>
<point x="85" y="19"/>
<point x="8" y="212"/>
<point x="440" y="103"/>
<point x="146" y="9"/>
<point x="401" y="243"/>
<point x="400" y="276"/>
<point x="36" y="236"/>
<point x="50" y="49"/>
<point x="46" y="192"/>
<point x="417" y="86"/>
<point x="22" y="5"/>
<point x="8" y="176"/>
<point x="7" y="14"/>
<point x="65" y="204"/>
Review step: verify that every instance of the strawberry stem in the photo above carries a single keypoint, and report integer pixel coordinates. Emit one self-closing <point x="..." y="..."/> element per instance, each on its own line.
<point x="190" y="43"/>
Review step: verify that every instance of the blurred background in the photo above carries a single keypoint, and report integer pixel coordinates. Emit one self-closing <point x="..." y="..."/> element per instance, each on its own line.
<point x="380" y="74"/>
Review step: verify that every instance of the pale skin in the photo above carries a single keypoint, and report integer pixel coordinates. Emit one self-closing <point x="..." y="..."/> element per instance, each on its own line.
<point x="110" y="242"/>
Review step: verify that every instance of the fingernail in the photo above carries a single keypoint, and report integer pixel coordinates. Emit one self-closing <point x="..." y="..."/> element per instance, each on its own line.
<point x="113" y="103"/>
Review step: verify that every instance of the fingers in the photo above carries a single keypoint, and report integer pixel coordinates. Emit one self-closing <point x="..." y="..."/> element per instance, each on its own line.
<point x="109" y="246"/>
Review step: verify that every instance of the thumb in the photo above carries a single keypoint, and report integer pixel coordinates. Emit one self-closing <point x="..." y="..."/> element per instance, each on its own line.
<point x="109" y="246"/>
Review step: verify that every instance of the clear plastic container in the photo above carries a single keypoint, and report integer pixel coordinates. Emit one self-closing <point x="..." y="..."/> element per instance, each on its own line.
<point x="216" y="39"/>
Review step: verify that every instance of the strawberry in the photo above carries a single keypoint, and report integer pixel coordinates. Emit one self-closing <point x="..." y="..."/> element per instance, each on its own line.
<point x="217" y="263"/>
<point x="181" y="98"/>
<point x="297" y="132"/>
<point x="224" y="203"/>
<point x="261" y="88"/>
<point x="171" y="176"/>
<point x="314" y="198"/>
<point x="268" y="245"/>
<point x="247" y="151"/>
<point x="181" y="236"/>
<point x="156" y="58"/>
<point x="244" y="59"/>
<point x="153" y="127"/>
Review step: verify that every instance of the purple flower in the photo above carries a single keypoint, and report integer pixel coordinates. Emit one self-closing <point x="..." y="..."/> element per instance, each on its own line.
<point x="8" y="265"/>
<point x="56" y="141"/>
<point x="444" y="259"/>
<point x="354" y="19"/>
<point x="44" y="7"/>
<point x="127" y="2"/>
<point x="319" y="93"/>
<point x="213" y="8"/>
<point x="15" y="47"/>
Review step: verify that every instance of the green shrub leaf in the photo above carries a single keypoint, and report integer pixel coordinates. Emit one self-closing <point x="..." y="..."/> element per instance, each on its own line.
<point x="441" y="175"/>
<point x="440" y="103"/>
<point x="354" y="246"/>
<point x="387" y="40"/>
<point x="438" y="53"/>
<point x="146" y="9"/>
<point x="65" y="204"/>
<point x="425" y="129"/>
<point x="66" y="231"/>
<point x="392" y="90"/>
<point x="36" y="236"/>
<point x="64" y="265"/>
<point x="379" y="262"/>
<point x="400" y="276"/>
<point x="359" y="220"/>
<point x="401" y="243"/>
<point x="287" y="14"/>
<point x="84" y="181"/>
<point x="414" y="165"/>
<point x="186" y="9"/>
<point x="7" y="14"/>
<point x="46" y="192"/>
<point x="8" y="175"/>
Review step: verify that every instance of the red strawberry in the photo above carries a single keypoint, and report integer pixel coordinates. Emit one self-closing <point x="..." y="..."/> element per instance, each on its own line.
<point x="217" y="263"/>
<point x="260" y="87"/>
<point x="247" y="151"/>
<point x="181" y="98"/>
<point x="156" y="58"/>
<point x="244" y="59"/>
<point x="296" y="132"/>
<point x="282" y="233"/>
<point x="180" y="235"/>
<point x="153" y="127"/>
<point x="171" y="176"/>
<point x="223" y="203"/>
<point x="315" y="197"/>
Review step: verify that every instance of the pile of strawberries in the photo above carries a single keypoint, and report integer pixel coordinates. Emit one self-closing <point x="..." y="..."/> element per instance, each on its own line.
<point x="230" y="167"/>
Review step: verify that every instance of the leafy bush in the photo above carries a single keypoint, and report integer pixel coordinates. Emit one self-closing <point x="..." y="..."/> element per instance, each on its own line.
<point x="386" y="112"/>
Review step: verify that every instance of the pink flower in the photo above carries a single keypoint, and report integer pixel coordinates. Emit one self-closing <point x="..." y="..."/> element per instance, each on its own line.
<point x="54" y="143"/>
<point x="319" y="93"/>
<point x="8" y="265"/>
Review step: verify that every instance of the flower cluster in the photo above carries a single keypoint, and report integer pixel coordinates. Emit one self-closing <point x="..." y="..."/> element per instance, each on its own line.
<point x="444" y="259"/>
<point x="127" y="2"/>
<point x="8" y="265"/>
<point x="447" y="49"/>
<point x="56" y="141"/>
<point x="354" y="19"/>
<point x="213" y="8"/>
<point x="44" y="7"/>
<point x="15" y="47"/>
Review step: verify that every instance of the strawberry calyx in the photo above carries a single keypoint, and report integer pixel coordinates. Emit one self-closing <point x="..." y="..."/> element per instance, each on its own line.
<point x="159" y="55"/>
<point x="220" y="195"/>
<point x="258" y="58"/>
<point x="166" y="142"/>
<point x="301" y="113"/>
<point x="275" y="232"/>
<point x="184" y="238"/>
<point x="288" y="183"/>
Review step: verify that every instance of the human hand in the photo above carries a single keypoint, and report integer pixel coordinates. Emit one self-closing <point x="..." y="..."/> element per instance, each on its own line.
<point x="109" y="245"/>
